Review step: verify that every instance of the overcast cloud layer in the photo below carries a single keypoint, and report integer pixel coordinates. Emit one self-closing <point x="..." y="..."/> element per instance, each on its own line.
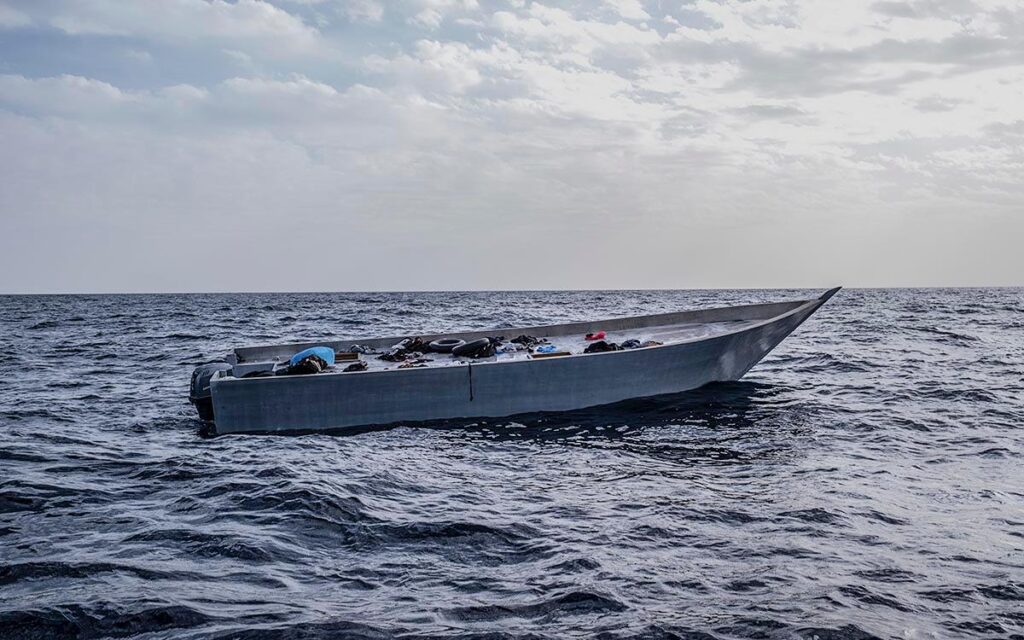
<point x="182" y="145"/>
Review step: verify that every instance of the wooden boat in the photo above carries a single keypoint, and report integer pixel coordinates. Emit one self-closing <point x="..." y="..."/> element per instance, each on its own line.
<point x="685" y="350"/>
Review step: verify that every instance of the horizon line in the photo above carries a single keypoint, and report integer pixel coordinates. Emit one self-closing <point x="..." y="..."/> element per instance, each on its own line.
<point x="499" y="290"/>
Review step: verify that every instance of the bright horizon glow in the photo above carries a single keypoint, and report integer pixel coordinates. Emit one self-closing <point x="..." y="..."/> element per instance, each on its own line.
<point x="440" y="145"/>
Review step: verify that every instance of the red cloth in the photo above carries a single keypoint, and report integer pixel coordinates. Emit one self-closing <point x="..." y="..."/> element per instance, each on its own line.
<point x="600" y="335"/>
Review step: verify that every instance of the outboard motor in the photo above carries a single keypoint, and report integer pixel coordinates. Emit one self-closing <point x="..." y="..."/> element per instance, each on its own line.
<point x="199" y="391"/>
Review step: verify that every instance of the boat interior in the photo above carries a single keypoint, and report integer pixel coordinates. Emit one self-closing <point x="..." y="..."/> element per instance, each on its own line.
<point x="512" y="344"/>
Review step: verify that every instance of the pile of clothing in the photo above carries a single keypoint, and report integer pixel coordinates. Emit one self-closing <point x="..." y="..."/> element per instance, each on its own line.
<point x="527" y="342"/>
<point x="602" y="346"/>
<point x="415" y="362"/>
<point x="633" y="343"/>
<point x="359" y="348"/>
<point x="488" y="347"/>
<point x="308" y="361"/>
<point x="409" y="348"/>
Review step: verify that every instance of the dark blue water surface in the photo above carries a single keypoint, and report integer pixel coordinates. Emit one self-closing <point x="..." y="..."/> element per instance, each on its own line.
<point x="866" y="479"/>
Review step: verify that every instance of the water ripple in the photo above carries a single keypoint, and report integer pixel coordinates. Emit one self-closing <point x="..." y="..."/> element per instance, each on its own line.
<point x="863" y="482"/>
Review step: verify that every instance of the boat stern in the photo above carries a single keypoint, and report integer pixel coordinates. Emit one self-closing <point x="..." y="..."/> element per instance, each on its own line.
<point x="200" y="393"/>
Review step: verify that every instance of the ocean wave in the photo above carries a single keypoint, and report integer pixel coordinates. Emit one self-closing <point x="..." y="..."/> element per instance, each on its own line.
<point x="854" y="485"/>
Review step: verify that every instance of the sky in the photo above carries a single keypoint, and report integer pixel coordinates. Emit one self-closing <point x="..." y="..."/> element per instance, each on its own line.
<point x="345" y="145"/>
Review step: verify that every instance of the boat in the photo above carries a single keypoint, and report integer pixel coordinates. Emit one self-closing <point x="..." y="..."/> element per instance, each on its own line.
<point x="260" y="389"/>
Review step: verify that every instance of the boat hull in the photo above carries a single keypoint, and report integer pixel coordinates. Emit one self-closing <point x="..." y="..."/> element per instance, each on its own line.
<point x="494" y="389"/>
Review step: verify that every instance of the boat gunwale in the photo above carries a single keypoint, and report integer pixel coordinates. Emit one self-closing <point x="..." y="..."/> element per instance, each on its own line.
<point x="579" y="324"/>
<point x="802" y="305"/>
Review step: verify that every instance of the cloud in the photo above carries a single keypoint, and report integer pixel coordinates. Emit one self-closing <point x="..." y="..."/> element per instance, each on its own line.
<point x="363" y="10"/>
<point x="253" y="23"/>
<point x="629" y="9"/>
<point x="561" y="31"/>
<point x="11" y="18"/>
<point x="431" y="13"/>
<point x="447" y="135"/>
<point x="139" y="56"/>
<point x="936" y="104"/>
<point x="67" y="95"/>
<point x="770" y="111"/>
<point x="436" y="67"/>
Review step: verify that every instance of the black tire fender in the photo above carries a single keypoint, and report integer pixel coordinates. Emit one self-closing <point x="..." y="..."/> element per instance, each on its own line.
<point x="470" y="347"/>
<point x="446" y="345"/>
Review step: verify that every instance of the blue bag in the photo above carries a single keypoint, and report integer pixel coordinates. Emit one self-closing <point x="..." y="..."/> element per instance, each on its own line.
<point x="324" y="353"/>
